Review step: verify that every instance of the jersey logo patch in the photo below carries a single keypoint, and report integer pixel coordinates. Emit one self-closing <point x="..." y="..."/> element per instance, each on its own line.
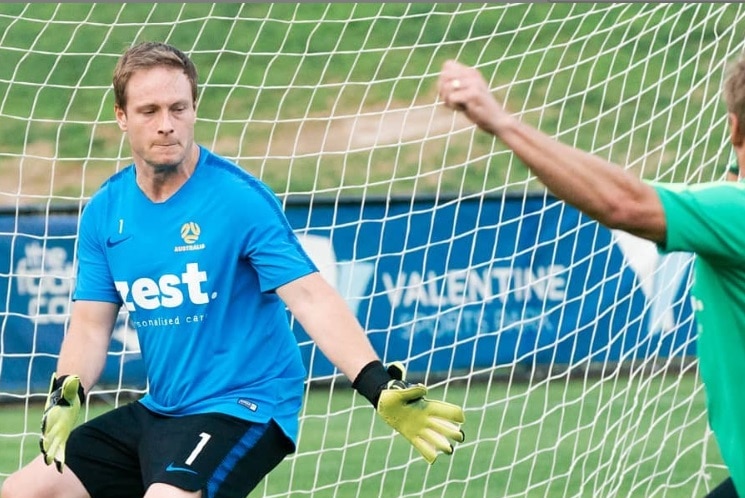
<point x="248" y="404"/>
<point x="190" y="234"/>
<point x="173" y="468"/>
<point x="114" y="241"/>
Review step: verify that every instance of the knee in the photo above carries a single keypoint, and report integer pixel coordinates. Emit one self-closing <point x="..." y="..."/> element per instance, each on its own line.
<point x="23" y="485"/>
<point x="38" y="480"/>
<point x="11" y="488"/>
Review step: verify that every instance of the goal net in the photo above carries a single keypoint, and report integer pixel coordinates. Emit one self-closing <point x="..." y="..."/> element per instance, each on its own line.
<point x="571" y="347"/>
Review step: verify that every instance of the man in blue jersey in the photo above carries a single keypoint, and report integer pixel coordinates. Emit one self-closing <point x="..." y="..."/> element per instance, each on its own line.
<point x="705" y="219"/>
<point x="201" y="255"/>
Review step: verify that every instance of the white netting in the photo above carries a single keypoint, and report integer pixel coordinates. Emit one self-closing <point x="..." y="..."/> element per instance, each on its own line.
<point x="336" y="105"/>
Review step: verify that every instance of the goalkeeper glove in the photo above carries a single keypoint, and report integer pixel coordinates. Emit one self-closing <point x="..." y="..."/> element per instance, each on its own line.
<point x="428" y="425"/>
<point x="66" y="395"/>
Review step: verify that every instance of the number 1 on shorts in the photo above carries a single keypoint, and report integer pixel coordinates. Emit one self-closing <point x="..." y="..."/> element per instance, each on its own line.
<point x="203" y="438"/>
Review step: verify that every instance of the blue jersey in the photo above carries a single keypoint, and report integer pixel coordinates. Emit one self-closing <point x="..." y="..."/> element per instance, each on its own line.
<point x="197" y="274"/>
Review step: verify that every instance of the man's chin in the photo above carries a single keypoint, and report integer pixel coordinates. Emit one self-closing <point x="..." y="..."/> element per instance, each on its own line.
<point x="166" y="158"/>
<point x="163" y="166"/>
<point x="166" y="162"/>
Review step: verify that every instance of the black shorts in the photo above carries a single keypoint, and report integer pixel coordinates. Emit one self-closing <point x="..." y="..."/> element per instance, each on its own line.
<point x="122" y="452"/>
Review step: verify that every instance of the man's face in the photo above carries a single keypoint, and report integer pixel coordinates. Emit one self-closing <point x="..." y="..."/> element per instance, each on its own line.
<point x="159" y="116"/>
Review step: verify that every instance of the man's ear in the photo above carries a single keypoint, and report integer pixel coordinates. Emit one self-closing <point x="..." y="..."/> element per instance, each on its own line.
<point x="735" y="130"/>
<point x="121" y="117"/>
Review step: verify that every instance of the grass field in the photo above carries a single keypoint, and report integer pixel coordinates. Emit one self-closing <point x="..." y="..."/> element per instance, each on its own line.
<point x="625" y="81"/>
<point x="547" y="438"/>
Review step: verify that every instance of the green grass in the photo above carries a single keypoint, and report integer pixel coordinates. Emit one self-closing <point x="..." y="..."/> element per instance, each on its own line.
<point x="637" y="83"/>
<point x="553" y="437"/>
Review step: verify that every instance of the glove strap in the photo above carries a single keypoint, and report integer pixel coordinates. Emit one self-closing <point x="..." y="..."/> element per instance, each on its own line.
<point x="371" y="380"/>
<point x="57" y="384"/>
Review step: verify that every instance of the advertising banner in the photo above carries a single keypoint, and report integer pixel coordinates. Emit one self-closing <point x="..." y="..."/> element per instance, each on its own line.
<point x="470" y="284"/>
<point x="36" y="282"/>
<point x="441" y="284"/>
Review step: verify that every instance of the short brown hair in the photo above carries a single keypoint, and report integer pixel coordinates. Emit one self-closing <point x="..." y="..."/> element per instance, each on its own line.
<point x="734" y="92"/>
<point x="147" y="55"/>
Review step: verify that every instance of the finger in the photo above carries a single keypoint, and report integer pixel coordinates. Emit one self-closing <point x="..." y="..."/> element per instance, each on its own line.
<point x="59" y="459"/>
<point x="47" y="457"/>
<point x="443" y="88"/>
<point x="453" y="96"/>
<point x="52" y="449"/>
<point x="447" y="429"/>
<point x="427" y="451"/>
<point x="70" y="388"/>
<point x="450" y="81"/>
<point x="436" y="440"/>
<point x="51" y="434"/>
<point x="452" y="67"/>
<point x="446" y="411"/>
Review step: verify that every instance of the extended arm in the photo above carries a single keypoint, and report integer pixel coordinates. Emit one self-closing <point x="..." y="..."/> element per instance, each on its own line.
<point x="428" y="425"/>
<point x="604" y="191"/>
<point x="327" y="319"/>
<point x="80" y="363"/>
<point x="86" y="343"/>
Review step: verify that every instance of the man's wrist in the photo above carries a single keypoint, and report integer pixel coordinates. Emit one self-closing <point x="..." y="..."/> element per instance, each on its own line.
<point x="371" y="380"/>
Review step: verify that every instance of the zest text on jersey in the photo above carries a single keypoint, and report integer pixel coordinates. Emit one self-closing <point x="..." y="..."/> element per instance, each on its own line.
<point x="166" y="291"/>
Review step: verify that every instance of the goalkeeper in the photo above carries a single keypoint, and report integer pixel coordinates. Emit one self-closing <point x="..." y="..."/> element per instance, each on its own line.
<point x="202" y="257"/>
<point x="704" y="219"/>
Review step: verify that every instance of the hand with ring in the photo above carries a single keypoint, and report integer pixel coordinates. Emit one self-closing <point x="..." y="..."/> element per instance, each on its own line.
<point x="475" y="100"/>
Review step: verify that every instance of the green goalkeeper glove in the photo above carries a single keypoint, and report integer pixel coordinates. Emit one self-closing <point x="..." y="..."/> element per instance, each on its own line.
<point x="428" y="425"/>
<point x="66" y="395"/>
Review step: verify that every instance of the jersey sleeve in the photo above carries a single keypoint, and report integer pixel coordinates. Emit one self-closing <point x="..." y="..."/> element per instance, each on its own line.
<point x="706" y="219"/>
<point x="93" y="278"/>
<point x="271" y="246"/>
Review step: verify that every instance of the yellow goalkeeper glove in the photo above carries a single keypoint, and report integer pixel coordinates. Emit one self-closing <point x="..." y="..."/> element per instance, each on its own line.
<point x="66" y="395"/>
<point x="428" y="425"/>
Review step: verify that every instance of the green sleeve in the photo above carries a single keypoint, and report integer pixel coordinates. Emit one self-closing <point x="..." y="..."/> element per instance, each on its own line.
<point x="707" y="219"/>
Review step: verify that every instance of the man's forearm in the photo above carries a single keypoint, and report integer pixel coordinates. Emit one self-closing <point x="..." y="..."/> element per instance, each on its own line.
<point x="334" y="328"/>
<point x="86" y="343"/>
<point x="604" y="191"/>
<point x="83" y="354"/>
<point x="327" y="319"/>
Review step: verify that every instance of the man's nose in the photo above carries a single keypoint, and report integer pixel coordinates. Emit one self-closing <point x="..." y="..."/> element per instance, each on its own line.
<point x="166" y="124"/>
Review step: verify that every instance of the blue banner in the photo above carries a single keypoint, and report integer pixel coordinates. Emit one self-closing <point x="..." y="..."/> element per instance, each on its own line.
<point x="36" y="281"/>
<point x="464" y="284"/>
<point x="470" y="284"/>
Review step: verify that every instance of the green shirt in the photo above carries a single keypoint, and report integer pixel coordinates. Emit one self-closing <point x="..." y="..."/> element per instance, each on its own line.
<point x="709" y="219"/>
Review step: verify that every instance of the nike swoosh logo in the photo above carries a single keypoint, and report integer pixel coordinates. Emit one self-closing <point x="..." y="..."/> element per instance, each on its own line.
<point x="173" y="468"/>
<point x="114" y="241"/>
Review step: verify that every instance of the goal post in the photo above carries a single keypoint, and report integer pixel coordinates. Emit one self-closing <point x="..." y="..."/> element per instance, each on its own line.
<point x="571" y="347"/>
